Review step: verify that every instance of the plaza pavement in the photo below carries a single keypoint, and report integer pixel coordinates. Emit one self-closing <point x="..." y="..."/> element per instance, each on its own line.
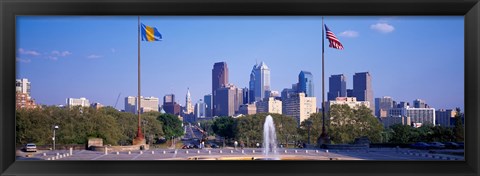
<point x="239" y="154"/>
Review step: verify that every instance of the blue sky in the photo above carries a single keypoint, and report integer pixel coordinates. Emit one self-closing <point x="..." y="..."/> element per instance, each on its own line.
<point x="96" y="57"/>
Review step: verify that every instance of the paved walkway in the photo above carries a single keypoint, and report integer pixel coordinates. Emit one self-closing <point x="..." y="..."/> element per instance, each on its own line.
<point x="207" y="154"/>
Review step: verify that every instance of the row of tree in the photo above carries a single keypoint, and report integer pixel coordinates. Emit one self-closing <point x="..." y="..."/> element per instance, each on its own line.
<point x="78" y="124"/>
<point x="344" y="126"/>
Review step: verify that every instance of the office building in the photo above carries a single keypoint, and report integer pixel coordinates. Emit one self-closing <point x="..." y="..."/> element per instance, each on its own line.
<point x="23" y="97"/>
<point x="269" y="105"/>
<point x="97" y="105"/>
<point x="219" y="80"/>
<point x="350" y="101"/>
<point x="337" y="86"/>
<point x="362" y="88"/>
<point x="83" y="102"/>
<point x="418" y="116"/>
<point x="382" y="105"/>
<point x="247" y="109"/>
<point x="147" y="104"/>
<point x="392" y="120"/>
<point x="305" y="83"/>
<point x="418" y="103"/>
<point x="299" y="107"/>
<point x="350" y="93"/>
<point x="246" y="95"/>
<point x="260" y="81"/>
<point x="200" y="109"/>
<point x="208" y="105"/>
<point x="445" y="117"/>
<point x="225" y="101"/>
<point x="169" y="98"/>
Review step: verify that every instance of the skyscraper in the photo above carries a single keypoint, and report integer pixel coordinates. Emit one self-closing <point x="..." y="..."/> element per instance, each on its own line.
<point x="382" y="105"/>
<point x="305" y="83"/>
<point x="259" y="81"/>
<point x="188" y="103"/>
<point x="83" y="102"/>
<point x="22" y="94"/>
<point x="225" y="101"/>
<point x="337" y="86"/>
<point x="299" y="107"/>
<point x="169" y="98"/>
<point x="170" y="106"/>
<point x="246" y="95"/>
<point x="219" y="80"/>
<point x="148" y="104"/>
<point x="208" y="105"/>
<point x="418" y="103"/>
<point x="200" y="109"/>
<point x="362" y="88"/>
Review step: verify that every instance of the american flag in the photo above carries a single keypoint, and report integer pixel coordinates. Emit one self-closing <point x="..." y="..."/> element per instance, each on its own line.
<point x="334" y="42"/>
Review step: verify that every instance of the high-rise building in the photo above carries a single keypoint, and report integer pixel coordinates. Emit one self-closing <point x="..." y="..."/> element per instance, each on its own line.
<point x="444" y="117"/>
<point x="337" y="86"/>
<point x="418" y="103"/>
<point x="219" y="80"/>
<point x="269" y="105"/>
<point x="188" y="103"/>
<point x="169" y="98"/>
<point x="22" y="86"/>
<point x="147" y="104"/>
<point x="247" y="109"/>
<point x="200" y="109"/>
<point x="350" y="93"/>
<point x="305" y="83"/>
<point x="83" y="102"/>
<point x="225" y="101"/>
<point x="350" y="101"/>
<point x="260" y="81"/>
<point x="362" y="88"/>
<point x="131" y="104"/>
<point x="417" y="115"/>
<point x="300" y="107"/>
<point x="238" y="98"/>
<point x="23" y="97"/>
<point x="208" y="105"/>
<point x="246" y="95"/>
<point x="392" y="120"/>
<point x="382" y="105"/>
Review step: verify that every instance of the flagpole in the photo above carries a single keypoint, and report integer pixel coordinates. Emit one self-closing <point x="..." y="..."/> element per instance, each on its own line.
<point x="140" y="138"/>
<point x="323" y="137"/>
<point x="323" y="78"/>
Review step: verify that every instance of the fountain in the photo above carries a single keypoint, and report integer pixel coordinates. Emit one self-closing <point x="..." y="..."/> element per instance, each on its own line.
<point x="269" y="139"/>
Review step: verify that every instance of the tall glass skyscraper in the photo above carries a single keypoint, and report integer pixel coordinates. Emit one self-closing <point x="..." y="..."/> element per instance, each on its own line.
<point x="305" y="83"/>
<point x="208" y="105"/>
<point x="259" y="82"/>
<point x="219" y="79"/>
<point x="362" y="88"/>
<point x="337" y="86"/>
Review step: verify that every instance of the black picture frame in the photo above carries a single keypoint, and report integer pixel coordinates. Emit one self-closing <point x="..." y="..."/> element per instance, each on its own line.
<point x="470" y="9"/>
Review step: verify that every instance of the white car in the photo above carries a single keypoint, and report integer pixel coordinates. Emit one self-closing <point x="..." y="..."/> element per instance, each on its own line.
<point x="31" y="147"/>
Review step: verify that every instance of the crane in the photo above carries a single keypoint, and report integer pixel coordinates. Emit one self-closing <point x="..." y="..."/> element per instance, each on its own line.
<point x="117" y="100"/>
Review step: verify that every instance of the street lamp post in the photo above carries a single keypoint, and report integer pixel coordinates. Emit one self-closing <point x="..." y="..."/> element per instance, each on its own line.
<point x="54" y="129"/>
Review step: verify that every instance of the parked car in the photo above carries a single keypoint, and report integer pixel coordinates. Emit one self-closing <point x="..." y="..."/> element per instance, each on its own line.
<point x="436" y="145"/>
<point x="213" y="145"/>
<point x="451" y="145"/>
<point x="30" y="147"/>
<point x="420" y="145"/>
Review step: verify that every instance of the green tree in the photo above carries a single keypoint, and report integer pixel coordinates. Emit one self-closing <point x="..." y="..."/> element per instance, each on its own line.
<point x="367" y="124"/>
<point x="172" y="126"/>
<point x="250" y="128"/>
<point x="315" y="127"/>
<point x="401" y="133"/>
<point x="285" y="127"/>
<point x="458" y="128"/>
<point x="223" y="126"/>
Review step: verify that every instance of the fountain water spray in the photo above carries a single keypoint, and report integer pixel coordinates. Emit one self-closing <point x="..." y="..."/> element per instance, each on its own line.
<point x="269" y="138"/>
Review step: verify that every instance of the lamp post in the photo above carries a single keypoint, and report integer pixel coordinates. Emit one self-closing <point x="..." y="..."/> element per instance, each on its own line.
<point x="55" y="127"/>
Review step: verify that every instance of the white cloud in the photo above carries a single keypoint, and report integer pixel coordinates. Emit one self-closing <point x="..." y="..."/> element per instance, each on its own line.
<point x="23" y="60"/>
<point x="382" y="27"/>
<point x="94" y="56"/>
<point x="28" y="52"/>
<point x="61" y="53"/>
<point x="349" y="33"/>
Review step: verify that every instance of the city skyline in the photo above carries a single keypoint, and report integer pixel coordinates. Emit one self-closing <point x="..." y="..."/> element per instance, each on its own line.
<point x="55" y="68"/>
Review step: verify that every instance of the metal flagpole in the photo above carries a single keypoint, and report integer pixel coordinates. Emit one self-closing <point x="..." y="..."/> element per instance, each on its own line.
<point x="323" y="137"/>
<point x="323" y="78"/>
<point x="139" y="131"/>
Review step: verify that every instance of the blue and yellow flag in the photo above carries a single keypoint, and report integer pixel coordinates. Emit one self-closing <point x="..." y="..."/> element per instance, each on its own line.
<point x="150" y="34"/>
